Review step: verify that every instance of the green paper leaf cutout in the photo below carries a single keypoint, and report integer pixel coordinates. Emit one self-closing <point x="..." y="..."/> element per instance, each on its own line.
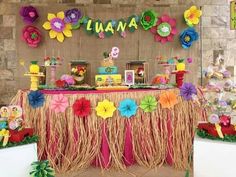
<point x="148" y="104"/>
<point x="149" y="19"/>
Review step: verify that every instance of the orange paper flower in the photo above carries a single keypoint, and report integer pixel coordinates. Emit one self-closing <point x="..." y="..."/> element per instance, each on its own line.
<point x="168" y="99"/>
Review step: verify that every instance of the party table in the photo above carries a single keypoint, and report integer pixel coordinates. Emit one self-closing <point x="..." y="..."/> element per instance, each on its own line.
<point x="148" y="139"/>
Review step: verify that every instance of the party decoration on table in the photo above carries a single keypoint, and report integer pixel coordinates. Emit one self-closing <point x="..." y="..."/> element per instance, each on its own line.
<point x="105" y="109"/>
<point x="192" y="16"/>
<point x="60" y="84"/>
<point x="82" y="107"/>
<point x="32" y="36"/>
<point x="108" y="73"/>
<point x="78" y="72"/>
<point x="73" y="16"/>
<point x="148" y="19"/>
<point x="127" y="108"/>
<point x="33" y="73"/>
<point x="36" y="99"/>
<point x="13" y="132"/>
<point x="168" y="99"/>
<point x="148" y="104"/>
<point x="59" y="103"/>
<point x="165" y="29"/>
<point x="29" y="14"/>
<point x="188" y="91"/>
<point x="68" y="79"/>
<point x="160" y="79"/>
<point x="42" y="169"/>
<point x="187" y="37"/>
<point x="57" y="26"/>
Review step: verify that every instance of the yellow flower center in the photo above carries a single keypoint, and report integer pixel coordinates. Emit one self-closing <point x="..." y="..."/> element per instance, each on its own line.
<point x="187" y="38"/>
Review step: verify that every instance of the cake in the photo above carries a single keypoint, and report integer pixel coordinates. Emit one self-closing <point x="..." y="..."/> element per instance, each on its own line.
<point x="107" y="72"/>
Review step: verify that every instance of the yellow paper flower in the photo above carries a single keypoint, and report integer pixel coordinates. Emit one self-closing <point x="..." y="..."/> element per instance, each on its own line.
<point x="105" y="109"/>
<point x="192" y="16"/>
<point x="58" y="28"/>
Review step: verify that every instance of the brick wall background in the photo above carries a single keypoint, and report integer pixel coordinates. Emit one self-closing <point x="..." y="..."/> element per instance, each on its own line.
<point x="216" y="34"/>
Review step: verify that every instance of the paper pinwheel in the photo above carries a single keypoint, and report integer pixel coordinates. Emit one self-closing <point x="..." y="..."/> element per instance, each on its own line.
<point x="105" y="109"/>
<point x="36" y="99"/>
<point x="187" y="90"/>
<point x="59" y="103"/>
<point x="148" y="104"/>
<point x="128" y="108"/>
<point x="168" y="99"/>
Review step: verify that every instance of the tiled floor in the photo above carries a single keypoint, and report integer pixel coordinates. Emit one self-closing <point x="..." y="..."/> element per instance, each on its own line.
<point x="134" y="171"/>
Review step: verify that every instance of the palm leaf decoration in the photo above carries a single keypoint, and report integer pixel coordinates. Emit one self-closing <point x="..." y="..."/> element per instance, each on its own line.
<point x="42" y="169"/>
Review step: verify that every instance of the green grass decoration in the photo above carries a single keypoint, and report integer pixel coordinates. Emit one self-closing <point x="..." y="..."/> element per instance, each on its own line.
<point x="42" y="169"/>
<point x="227" y="138"/>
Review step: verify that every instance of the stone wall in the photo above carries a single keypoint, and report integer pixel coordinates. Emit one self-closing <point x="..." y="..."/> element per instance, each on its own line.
<point x="216" y="35"/>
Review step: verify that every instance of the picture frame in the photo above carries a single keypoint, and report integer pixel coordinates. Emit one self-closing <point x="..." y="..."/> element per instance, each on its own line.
<point x="129" y="77"/>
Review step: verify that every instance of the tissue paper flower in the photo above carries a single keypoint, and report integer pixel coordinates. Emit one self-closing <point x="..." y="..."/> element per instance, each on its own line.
<point x="36" y="99"/>
<point x="59" y="103"/>
<point x="105" y="109"/>
<point x="31" y="35"/>
<point x="148" y="19"/>
<point x="165" y="29"/>
<point x="128" y="108"/>
<point x="189" y="60"/>
<point x="168" y="99"/>
<point x="214" y="119"/>
<point x="192" y="16"/>
<point x="60" y="83"/>
<point x="68" y="79"/>
<point x="148" y="104"/>
<point x="187" y="90"/>
<point x="58" y="28"/>
<point x="72" y="16"/>
<point x="29" y="14"/>
<point x="187" y="37"/>
<point x="82" y="107"/>
<point x="115" y="52"/>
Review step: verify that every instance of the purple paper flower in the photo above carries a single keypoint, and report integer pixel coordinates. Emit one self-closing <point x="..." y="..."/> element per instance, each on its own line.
<point x="57" y="25"/>
<point x="29" y="14"/>
<point x="223" y="103"/>
<point x="187" y="90"/>
<point x="72" y="16"/>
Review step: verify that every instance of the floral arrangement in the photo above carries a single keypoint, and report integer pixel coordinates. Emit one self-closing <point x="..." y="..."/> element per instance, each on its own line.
<point x="65" y="81"/>
<point x="29" y="14"/>
<point x="78" y="70"/>
<point x="32" y="36"/>
<point x="52" y="61"/>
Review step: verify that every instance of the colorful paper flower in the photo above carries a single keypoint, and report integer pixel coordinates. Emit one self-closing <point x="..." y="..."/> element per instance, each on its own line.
<point x="31" y="35"/>
<point x="187" y="90"/>
<point x="187" y="37"/>
<point x="128" y="108"/>
<point x="29" y="14"/>
<point x="214" y="119"/>
<point x="101" y="35"/>
<point x="82" y="107"/>
<point x="68" y="79"/>
<point x="168" y="99"/>
<point x="225" y="120"/>
<point x="115" y="52"/>
<point x="123" y="34"/>
<point x="148" y="19"/>
<point x="192" y="16"/>
<point x="148" y="104"/>
<point x="189" y="60"/>
<point x="59" y="103"/>
<point x="73" y="16"/>
<point x="165" y="29"/>
<point x="36" y="99"/>
<point x="58" y="28"/>
<point x="60" y="83"/>
<point x="105" y="109"/>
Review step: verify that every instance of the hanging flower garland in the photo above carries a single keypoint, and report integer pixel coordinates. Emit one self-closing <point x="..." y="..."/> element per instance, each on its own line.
<point x="58" y="28"/>
<point x="187" y="91"/>
<point x="73" y="16"/>
<point x="32" y="36"/>
<point x="59" y="103"/>
<point x="148" y="104"/>
<point x="148" y="19"/>
<point x="105" y="109"/>
<point x="36" y="99"/>
<point x="187" y="37"/>
<point x="82" y="107"/>
<point x="29" y="14"/>
<point x="168" y="99"/>
<point x="192" y="16"/>
<point x="165" y="29"/>
<point x="128" y="108"/>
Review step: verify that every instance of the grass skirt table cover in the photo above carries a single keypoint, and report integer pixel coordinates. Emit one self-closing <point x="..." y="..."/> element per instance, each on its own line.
<point x="149" y="139"/>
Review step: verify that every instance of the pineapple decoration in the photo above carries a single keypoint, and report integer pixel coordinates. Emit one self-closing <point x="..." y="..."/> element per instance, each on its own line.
<point x="34" y="67"/>
<point x="180" y="66"/>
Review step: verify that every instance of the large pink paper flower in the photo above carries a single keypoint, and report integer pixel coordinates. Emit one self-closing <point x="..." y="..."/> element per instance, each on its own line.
<point x="165" y="29"/>
<point x="59" y="103"/>
<point x="31" y="35"/>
